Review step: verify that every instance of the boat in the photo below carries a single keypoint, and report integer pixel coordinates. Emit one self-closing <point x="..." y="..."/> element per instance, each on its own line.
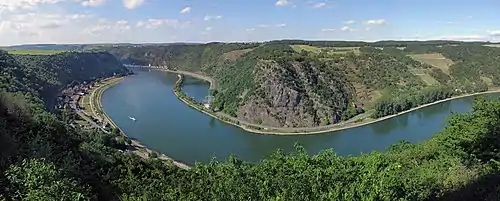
<point x="131" y="118"/>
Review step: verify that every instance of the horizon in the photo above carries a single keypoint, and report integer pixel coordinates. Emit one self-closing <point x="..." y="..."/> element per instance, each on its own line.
<point x="197" y="43"/>
<point x="152" y="21"/>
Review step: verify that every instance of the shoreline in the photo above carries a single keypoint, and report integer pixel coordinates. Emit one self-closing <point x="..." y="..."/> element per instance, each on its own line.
<point x="276" y="131"/>
<point x="135" y="143"/>
<point x="335" y="127"/>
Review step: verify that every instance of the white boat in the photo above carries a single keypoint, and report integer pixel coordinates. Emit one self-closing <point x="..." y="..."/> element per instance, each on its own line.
<point x="131" y="118"/>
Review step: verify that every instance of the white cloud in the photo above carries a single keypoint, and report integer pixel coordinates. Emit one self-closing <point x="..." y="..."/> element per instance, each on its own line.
<point x="79" y="16"/>
<point x="346" y="28"/>
<point x="263" y="25"/>
<point x="494" y="33"/>
<point x="320" y="5"/>
<point x="208" y="28"/>
<point x="282" y="3"/>
<point x="376" y="22"/>
<point x="328" y="30"/>
<point x="250" y="29"/>
<point x="349" y="22"/>
<point x="97" y="30"/>
<point x="103" y="27"/>
<point x="281" y="25"/>
<point x="210" y="17"/>
<point x="131" y="4"/>
<point x="50" y="25"/>
<point x="13" y="5"/>
<point x="89" y="3"/>
<point x="154" y="23"/>
<point x="186" y="10"/>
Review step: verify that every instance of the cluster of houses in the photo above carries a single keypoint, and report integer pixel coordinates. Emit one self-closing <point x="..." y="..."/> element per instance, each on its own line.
<point x="71" y="97"/>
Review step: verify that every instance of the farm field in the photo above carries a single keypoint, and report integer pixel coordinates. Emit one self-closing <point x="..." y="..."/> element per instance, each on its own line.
<point x="308" y="48"/>
<point x="434" y="59"/>
<point x="428" y="79"/>
<point x="35" y="52"/>
<point x="330" y="50"/>
<point x="493" y="45"/>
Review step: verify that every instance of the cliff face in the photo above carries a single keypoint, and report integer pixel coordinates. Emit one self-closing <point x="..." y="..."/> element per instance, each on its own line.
<point x="296" y="94"/>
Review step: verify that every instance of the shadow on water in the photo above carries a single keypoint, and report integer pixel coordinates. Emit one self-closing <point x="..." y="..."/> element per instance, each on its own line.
<point x="388" y="126"/>
<point x="211" y="123"/>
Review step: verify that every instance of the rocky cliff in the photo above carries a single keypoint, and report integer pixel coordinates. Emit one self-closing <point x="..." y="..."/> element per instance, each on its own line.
<point x="297" y="94"/>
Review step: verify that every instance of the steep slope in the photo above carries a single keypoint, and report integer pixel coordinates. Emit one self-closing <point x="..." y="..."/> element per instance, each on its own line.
<point x="324" y="82"/>
<point x="288" y="89"/>
<point x="53" y="72"/>
<point x="197" y="57"/>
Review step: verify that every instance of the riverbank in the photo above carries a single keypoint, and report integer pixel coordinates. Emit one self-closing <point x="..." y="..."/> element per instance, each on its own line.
<point x="260" y="129"/>
<point x="140" y="149"/>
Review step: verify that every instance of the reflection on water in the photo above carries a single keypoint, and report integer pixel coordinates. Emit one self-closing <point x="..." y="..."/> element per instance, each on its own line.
<point x="212" y="122"/>
<point x="171" y="127"/>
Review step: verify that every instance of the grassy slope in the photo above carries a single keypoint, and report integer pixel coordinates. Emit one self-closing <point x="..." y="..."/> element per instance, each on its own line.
<point x="35" y="52"/>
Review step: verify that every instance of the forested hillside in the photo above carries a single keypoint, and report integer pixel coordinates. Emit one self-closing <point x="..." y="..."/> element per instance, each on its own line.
<point x="42" y="158"/>
<point x="48" y="74"/>
<point x="293" y="83"/>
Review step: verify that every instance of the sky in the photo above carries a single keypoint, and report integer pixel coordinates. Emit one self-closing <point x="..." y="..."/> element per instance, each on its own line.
<point x="139" y="21"/>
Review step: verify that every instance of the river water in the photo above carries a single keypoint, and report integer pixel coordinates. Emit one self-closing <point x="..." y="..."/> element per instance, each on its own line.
<point x="169" y="126"/>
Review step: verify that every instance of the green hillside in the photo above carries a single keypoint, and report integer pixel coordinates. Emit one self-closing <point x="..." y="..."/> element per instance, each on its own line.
<point x="293" y="83"/>
<point x="43" y="158"/>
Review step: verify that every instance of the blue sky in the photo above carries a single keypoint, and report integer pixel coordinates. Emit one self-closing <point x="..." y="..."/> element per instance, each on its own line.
<point x="101" y="21"/>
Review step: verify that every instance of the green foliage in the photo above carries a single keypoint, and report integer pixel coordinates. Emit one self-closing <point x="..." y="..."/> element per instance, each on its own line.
<point x="38" y="180"/>
<point x="200" y="57"/>
<point x="49" y="74"/>
<point x="41" y="158"/>
<point x="402" y="102"/>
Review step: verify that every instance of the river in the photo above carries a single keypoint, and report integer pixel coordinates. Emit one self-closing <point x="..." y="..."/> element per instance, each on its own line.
<point x="169" y="126"/>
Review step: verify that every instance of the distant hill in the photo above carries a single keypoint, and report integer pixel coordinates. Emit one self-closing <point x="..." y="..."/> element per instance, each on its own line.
<point x="79" y="47"/>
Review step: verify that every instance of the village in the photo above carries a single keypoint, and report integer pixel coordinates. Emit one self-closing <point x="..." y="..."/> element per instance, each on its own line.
<point x="77" y="98"/>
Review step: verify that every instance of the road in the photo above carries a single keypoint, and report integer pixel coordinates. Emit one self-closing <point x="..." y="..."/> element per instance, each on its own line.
<point x="90" y="121"/>
<point x="294" y="129"/>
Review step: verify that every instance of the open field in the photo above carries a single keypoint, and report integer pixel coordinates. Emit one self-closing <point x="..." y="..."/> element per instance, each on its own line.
<point x="85" y="103"/>
<point x="308" y="48"/>
<point x="434" y="59"/>
<point x="493" y="45"/>
<point x="487" y="80"/>
<point x="35" y="52"/>
<point x="343" y="50"/>
<point x="330" y="50"/>
<point x="428" y="79"/>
